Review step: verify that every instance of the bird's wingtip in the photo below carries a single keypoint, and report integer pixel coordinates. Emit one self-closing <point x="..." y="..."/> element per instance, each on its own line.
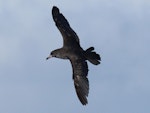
<point x="55" y="11"/>
<point x="55" y="7"/>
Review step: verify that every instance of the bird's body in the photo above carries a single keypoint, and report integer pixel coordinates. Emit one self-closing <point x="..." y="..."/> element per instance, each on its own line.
<point x="72" y="50"/>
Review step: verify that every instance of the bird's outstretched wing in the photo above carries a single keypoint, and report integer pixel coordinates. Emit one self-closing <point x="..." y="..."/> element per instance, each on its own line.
<point x="81" y="83"/>
<point x="69" y="36"/>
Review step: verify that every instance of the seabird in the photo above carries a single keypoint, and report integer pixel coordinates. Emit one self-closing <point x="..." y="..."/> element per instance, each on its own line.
<point x="73" y="51"/>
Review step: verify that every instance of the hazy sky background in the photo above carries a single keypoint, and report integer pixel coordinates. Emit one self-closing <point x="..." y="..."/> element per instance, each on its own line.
<point x="119" y="30"/>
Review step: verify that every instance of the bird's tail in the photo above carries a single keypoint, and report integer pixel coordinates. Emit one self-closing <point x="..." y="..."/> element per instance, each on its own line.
<point x="92" y="56"/>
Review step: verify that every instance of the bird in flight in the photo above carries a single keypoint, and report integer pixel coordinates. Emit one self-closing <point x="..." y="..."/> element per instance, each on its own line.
<point x="78" y="57"/>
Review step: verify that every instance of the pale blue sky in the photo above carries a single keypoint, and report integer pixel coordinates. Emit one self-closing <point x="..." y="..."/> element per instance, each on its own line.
<point x="119" y="30"/>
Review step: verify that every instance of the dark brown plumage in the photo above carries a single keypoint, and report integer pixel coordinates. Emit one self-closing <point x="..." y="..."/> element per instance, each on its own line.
<point x="72" y="50"/>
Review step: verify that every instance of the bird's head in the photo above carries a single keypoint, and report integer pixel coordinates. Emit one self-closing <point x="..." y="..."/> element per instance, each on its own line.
<point x="58" y="53"/>
<point x="52" y="54"/>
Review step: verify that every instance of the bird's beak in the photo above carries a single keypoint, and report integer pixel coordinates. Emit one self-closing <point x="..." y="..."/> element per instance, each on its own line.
<point x="50" y="56"/>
